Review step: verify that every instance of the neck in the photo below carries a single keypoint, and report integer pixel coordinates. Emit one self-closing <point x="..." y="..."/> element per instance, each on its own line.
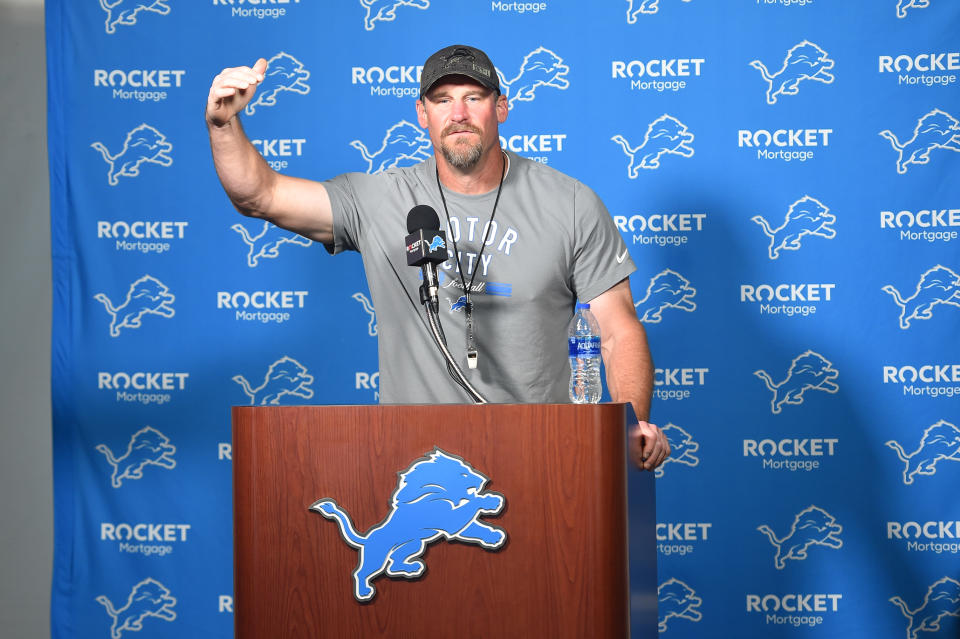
<point x="482" y="178"/>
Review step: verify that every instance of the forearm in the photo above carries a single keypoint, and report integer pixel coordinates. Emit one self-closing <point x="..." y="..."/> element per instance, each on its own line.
<point x="246" y="177"/>
<point x="629" y="369"/>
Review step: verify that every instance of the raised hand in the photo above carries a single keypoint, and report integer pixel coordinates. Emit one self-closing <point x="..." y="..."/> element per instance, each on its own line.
<point x="231" y="90"/>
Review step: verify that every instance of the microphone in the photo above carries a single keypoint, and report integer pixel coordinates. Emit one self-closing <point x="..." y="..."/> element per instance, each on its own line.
<point x="426" y="247"/>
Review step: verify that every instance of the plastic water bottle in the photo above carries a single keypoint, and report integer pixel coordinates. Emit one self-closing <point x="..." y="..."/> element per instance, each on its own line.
<point x="584" y="348"/>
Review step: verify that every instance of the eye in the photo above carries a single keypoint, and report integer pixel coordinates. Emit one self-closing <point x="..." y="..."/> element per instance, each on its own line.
<point x="464" y="475"/>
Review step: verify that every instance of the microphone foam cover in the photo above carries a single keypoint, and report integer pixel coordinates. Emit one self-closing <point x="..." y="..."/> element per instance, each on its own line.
<point x="422" y="217"/>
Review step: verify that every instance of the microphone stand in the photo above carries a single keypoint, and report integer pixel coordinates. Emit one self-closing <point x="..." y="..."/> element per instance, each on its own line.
<point x="430" y="306"/>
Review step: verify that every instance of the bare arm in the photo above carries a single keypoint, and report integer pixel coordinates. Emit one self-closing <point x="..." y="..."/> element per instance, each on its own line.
<point x="256" y="190"/>
<point x="629" y="367"/>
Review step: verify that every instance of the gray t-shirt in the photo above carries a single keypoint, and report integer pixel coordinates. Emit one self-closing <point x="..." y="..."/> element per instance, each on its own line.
<point x="551" y="242"/>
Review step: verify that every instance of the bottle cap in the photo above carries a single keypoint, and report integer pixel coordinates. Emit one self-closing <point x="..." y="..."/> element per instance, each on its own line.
<point x="582" y="305"/>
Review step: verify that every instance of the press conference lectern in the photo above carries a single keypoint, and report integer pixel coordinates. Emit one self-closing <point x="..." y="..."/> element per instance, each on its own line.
<point x="561" y="571"/>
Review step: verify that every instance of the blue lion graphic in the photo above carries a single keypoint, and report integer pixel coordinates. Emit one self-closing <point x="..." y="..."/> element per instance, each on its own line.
<point x="942" y="600"/>
<point x="125" y="12"/>
<point x="143" y="144"/>
<point x="667" y="289"/>
<point x="665" y="135"/>
<point x="266" y="244"/>
<point x="682" y="448"/>
<point x="284" y="73"/>
<point x="436" y="243"/>
<point x="904" y="5"/>
<point x="941" y="441"/>
<point x="677" y="599"/>
<point x="404" y="144"/>
<point x="935" y="130"/>
<point x="541" y="67"/>
<point x="149" y="598"/>
<point x="939" y="285"/>
<point x="286" y="376"/>
<point x="808" y="371"/>
<point x="459" y="304"/>
<point x="804" y="61"/>
<point x="438" y="496"/>
<point x="806" y="216"/>
<point x="147" y="296"/>
<point x="147" y="446"/>
<point x="386" y="10"/>
<point x="811" y="527"/>
<point x="637" y="7"/>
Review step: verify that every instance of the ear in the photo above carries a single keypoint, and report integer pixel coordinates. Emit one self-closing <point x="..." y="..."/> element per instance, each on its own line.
<point x="503" y="108"/>
<point x="422" y="115"/>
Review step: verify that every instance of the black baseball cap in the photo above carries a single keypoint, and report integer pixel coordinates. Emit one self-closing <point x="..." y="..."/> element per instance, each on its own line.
<point x="459" y="59"/>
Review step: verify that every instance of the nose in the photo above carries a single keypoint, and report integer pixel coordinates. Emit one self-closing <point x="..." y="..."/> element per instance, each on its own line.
<point x="458" y="111"/>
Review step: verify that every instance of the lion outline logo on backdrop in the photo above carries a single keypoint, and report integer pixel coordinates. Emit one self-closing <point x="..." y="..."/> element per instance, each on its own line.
<point x="266" y="244"/>
<point x="935" y="130"/>
<point x="808" y="371"/>
<point x="404" y="144"/>
<point x="286" y="376"/>
<point x="386" y="10"/>
<point x="677" y="599"/>
<point x="804" y="61"/>
<point x="147" y="296"/>
<point x="664" y="135"/>
<point x="940" y="441"/>
<point x="439" y="495"/>
<point x="149" y="598"/>
<point x="541" y="67"/>
<point x="904" y="5"/>
<point x="148" y="446"/>
<point x="811" y="527"/>
<point x="806" y="216"/>
<point x="368" y="307"/>
<point x="941" y="600"/>
<point x="682" y="448"/>
<point x="937" y="285"/>
<point x="142" y="144"/>
<point x="638" y="7"/>
<point x="125" y="12"/>
<point x="667" y="289"/>
<point x="284" y="73"/>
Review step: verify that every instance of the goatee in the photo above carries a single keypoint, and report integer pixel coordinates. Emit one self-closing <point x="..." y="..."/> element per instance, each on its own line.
<point x="463" y="157"/>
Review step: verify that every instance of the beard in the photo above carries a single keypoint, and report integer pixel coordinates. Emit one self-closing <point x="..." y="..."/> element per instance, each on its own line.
<point x="461" y="155"/>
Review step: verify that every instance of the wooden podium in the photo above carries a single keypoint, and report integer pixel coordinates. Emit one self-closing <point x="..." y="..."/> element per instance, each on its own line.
<point x="562" y="572"/>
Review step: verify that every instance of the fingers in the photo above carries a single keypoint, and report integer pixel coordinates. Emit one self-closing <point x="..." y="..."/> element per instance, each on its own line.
<point x="232" y="89"/>
<point x="648" y="446"/>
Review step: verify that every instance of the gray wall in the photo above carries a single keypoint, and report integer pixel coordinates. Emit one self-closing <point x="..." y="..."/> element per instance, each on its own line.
<point x="26" y="508"/>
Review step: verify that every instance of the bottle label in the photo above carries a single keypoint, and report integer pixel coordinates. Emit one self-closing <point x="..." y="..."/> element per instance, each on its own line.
<point x="585" y="346"/>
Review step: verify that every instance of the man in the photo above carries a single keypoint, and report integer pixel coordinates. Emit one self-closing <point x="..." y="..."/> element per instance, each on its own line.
<point x="525" y="242"/>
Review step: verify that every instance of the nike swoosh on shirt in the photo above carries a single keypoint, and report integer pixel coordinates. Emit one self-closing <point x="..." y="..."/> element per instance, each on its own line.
<point x="621" y="258"/>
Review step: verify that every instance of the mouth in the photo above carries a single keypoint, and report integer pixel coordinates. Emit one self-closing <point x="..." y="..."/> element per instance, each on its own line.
<point x="456" y="132"/>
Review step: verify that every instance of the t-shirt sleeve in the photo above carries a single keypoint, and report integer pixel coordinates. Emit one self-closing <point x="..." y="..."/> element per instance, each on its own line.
<point x="601" y="258"/>
<point x="347" y="229"/>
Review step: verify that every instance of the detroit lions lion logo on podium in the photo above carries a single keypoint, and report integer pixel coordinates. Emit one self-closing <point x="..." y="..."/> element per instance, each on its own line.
<point x="439" y="495"/>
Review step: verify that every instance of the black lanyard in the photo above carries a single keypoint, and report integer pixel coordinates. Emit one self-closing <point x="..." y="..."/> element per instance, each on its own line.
<point x="472" y="354"/>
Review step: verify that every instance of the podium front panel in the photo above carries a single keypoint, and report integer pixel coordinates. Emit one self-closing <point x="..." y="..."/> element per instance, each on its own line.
<point x="562" y="571"/>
